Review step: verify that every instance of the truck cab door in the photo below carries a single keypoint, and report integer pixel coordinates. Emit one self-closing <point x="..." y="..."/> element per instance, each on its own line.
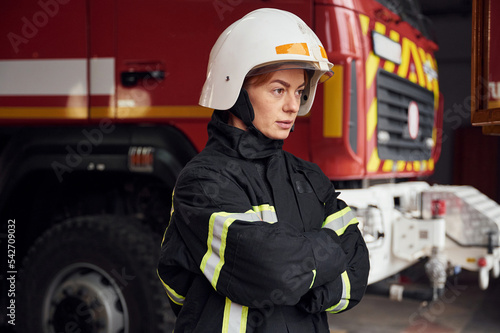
<point x="162" y="50"/>
<point x="43" y="61"/>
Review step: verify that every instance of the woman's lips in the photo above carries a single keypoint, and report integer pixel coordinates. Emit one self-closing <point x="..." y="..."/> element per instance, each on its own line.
<point x="286" y="124"/>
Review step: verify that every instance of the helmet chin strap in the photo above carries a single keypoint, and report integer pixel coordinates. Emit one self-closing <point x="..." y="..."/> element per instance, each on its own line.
<point x="243" y="109"/>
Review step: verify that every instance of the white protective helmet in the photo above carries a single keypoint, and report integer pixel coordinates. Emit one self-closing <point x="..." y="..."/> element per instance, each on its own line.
<point x="263" y="37"/>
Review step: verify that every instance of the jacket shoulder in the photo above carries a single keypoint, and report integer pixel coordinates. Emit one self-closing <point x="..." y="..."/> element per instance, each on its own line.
<point x="211" y="166"/>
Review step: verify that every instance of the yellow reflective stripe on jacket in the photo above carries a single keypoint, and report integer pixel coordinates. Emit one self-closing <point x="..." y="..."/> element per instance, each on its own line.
<point x="313" y="279"/>
<point x="346" y="295"/>
<point x="175" y="297"/>
<point x="219" y="223"/>
<point x="340" y="220"/>
<point x="235" y="318"/>
<point x="266" y="213"/>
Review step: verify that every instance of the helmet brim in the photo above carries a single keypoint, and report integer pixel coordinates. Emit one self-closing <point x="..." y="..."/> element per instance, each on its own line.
<point x="285" y="65"/>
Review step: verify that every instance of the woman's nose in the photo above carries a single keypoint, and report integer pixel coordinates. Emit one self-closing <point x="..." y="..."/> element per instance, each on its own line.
<point x="292" y="103"/>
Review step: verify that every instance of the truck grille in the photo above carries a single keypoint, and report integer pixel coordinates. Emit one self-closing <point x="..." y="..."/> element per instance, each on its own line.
<point x="394" y="95"/>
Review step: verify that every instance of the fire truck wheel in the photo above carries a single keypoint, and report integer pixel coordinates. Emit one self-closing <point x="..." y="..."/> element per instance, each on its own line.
<point x="91" y="275"/>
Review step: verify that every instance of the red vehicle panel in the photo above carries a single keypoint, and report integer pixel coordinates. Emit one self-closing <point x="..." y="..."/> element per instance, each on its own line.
<point x="146" y="63"/>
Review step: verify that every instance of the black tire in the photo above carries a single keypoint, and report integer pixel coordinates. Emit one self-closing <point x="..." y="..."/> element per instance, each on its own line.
<point x="94" y="274"/>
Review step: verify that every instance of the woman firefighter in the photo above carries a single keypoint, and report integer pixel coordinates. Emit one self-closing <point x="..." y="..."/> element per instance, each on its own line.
<point x="258" y="240"/>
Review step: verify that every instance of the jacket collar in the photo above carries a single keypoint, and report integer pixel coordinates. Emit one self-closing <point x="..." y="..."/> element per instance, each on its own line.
<point x="250" y="144"/>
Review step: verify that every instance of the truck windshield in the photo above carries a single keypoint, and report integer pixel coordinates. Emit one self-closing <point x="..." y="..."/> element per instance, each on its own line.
<point x="411" y="12"/>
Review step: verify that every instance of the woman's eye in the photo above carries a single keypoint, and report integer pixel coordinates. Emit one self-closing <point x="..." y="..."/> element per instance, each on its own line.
<point x="279" y="91"/>
<point x="300" y="93"/>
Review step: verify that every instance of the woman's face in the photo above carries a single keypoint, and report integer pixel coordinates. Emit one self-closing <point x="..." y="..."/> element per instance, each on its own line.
<point x="276" y="102"/>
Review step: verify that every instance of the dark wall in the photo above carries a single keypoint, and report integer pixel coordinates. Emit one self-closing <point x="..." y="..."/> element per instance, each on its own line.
<point x="468" y="157"/>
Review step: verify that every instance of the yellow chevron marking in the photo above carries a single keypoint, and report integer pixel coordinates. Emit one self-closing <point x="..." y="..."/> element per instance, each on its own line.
<point x="401" y="166"/>
<point x="365" y="22"/>
<point x="405" y="58"/>
<point x="431" y="164"/>
<point x="426" y="58"/>
<point x="380" y="28"/>
<point x="389" y="65"/>
<point x="412" y="77"/>
<point x="371" y="68"/>
<point x="394" y="35"/>
<point x="418" y="65"/>
<point x="371" y="120"/>
<point x="436" y="87"/>
<point x="333" y="104"/>
<point x="409" y="50"/>
<point x="374" y="161"/>
<point x="387" y="167"/>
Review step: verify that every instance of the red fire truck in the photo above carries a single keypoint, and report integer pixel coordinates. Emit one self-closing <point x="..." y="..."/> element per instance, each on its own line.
<point x="99" y="113"/>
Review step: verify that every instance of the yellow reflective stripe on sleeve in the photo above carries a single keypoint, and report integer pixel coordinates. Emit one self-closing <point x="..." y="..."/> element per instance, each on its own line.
<point x="340" y="220"/>
<point x="337" y="215"/>
<point x="174" y="296"/>
<point x="171" y="212"/>
<point x="313" y="279"/>
<point x="346" y="295"/>
<point x="266" y="213"/>
<point x="235" y="317"/>
<point x="219" y="223"/>
<point x="342" y="230"/>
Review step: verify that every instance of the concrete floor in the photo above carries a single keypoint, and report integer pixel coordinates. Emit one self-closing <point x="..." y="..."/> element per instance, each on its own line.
<point x="463" y="308"/>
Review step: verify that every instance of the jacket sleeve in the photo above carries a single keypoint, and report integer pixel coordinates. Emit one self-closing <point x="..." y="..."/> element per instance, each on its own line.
<point x="347" y="290"/>
<point x="243" y="251"/>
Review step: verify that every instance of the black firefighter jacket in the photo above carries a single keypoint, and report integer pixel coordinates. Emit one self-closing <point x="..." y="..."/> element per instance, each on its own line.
<point x="258" y="241"/>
